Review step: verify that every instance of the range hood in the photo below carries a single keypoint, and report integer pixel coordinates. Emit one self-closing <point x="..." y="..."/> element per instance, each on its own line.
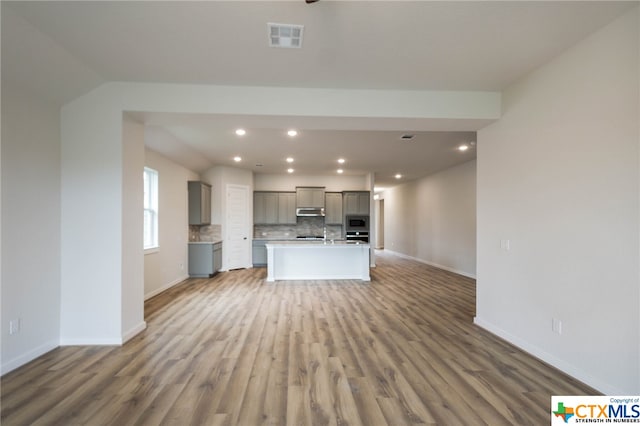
<point x="310" y="212"/>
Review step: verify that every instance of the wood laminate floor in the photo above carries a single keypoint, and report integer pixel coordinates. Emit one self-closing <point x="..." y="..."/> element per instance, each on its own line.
<point x="234" y="350"/>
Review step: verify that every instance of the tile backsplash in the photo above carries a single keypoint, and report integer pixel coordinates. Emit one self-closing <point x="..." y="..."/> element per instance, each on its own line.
<point x="205" y="233"/>
<point x="304" y="226"/>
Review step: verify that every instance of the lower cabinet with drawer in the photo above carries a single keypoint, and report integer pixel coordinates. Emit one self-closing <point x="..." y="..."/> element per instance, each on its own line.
<point x="205" y="259"/>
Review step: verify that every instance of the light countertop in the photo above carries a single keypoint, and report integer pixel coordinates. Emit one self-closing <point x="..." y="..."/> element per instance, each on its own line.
<point x="275" y="238"/>
<point x="317" y="243"/>
<point x="205" y="242"/>
<point x="294" y="239"/>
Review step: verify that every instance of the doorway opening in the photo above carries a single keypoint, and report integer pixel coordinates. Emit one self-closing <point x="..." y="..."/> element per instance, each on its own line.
<point x="380" y="225"/>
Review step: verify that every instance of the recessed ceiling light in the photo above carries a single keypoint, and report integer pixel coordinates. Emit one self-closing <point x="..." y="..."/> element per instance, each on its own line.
<point x="237" y="159"/>
<point x="340" y="171"/>
<point x="285" y="35"/>
<point x="241" y="132"/>
<point x="290" y="170"/>
<point x="378" y="189"/>
<point x="289" y="159"/>
<point x="292" y="133"/>
<point x="398" y="176"/>
<point x="341" y="160"/>
<point x="463" y="147"/>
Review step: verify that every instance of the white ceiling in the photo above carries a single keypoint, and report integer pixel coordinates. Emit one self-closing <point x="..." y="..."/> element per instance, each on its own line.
<point x="315" y="149"/>
<point x="63" y="49"/>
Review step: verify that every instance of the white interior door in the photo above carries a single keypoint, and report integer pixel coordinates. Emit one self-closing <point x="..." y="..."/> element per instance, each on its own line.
<point x="237" y="244"/>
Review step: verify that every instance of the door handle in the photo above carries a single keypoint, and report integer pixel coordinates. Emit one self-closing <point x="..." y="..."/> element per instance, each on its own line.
<point x="244" y="238"/>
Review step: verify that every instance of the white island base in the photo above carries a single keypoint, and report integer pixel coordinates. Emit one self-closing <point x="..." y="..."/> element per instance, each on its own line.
<point x="317" y="261"/>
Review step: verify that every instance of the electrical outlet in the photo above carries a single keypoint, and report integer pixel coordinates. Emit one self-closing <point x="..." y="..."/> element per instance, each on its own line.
<point x="505" y="245"/>
<point x="556" y="325"/>
<point x="14" y="326"/>
<point x="181" y="266"/>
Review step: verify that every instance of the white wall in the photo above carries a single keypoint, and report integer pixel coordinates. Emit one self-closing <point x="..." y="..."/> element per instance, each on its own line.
<point x="558" y="177"/>
<point x="91" y="223"/>
<point x="219" y="177"/>
<point x="433" y="219"/>
<point x="92" y="171"/>
<point x="168" y="265"/>
<point x="30" y="226"/>
<point x="379" y="223"/>
<point x="400" y="218"/>
<point x="288" y="182"/>
<point x="132" y="295"/>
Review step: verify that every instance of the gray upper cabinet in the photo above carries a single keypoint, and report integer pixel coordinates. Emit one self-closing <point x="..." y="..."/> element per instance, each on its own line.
<point x="356" y="202"/>
<point x="309" y="196"/>
<point x="287" y="208"/>
<point x="265" y="208"/>
<point x="333" y="208"/>
<point x="274" y="208"/>
<point x="199" y="203"/>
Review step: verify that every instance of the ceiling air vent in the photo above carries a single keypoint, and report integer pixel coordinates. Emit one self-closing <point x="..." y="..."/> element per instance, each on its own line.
<point x="407" y="137"/>
<point x="285" y="35"/>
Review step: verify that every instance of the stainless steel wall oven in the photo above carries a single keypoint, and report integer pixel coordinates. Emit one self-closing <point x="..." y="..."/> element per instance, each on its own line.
<point x="357" y="236"/>
<point x="357" y="223"/>
<point x="357" y="228"/>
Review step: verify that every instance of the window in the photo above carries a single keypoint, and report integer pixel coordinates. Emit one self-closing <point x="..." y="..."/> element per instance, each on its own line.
<point x="150" y="208"/>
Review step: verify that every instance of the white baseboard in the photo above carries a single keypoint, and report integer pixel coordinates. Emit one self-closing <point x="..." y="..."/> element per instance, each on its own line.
<point x="165" y="287"/>
<point x="436" y="265"/>
<point x="91" y="342"/>
<point x="133" y="332"/>
<point x="118" y="341"/>
<point x="542" y="355"/>
<point x="23" y="359"/>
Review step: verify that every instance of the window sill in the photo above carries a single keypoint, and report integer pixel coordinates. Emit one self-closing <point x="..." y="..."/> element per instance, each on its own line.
<point x="151" y="250"/>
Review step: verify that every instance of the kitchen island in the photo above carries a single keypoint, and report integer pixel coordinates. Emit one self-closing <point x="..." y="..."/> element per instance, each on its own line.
<point x="317" y="260"/>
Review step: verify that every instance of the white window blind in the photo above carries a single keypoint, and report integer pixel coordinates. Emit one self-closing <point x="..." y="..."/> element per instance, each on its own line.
<point x="150" y="208"/>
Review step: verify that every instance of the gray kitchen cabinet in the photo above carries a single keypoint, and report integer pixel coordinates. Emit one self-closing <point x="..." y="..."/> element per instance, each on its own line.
<point x="265" y="208"/>
<point x="259" y="253"/>
<point x="273" y="208"/>
<point x="287" y="208"/>
<point x="199" y="203"/>
<point x="333" y="208"/>
<point x="217" y="257"/>
<point x="356" y="202"/>
<point x="309" y="196"/>
<point x="205" y="259"/>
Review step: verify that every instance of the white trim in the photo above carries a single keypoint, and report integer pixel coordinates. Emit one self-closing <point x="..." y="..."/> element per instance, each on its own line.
<point x="91" y="342"/>
<point x="165" y="287"/>
<point x="436" y="265"/>
<point x="247" y="262"/>
<point x="151" y="196"/>
<point x="106" y="342"/>
<point x="323" y="278"/>
<point x="133" y="332"/>
<point x="152" y="250"/>
<point x="544" y="356"/>
<point x="25" y="358"/>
